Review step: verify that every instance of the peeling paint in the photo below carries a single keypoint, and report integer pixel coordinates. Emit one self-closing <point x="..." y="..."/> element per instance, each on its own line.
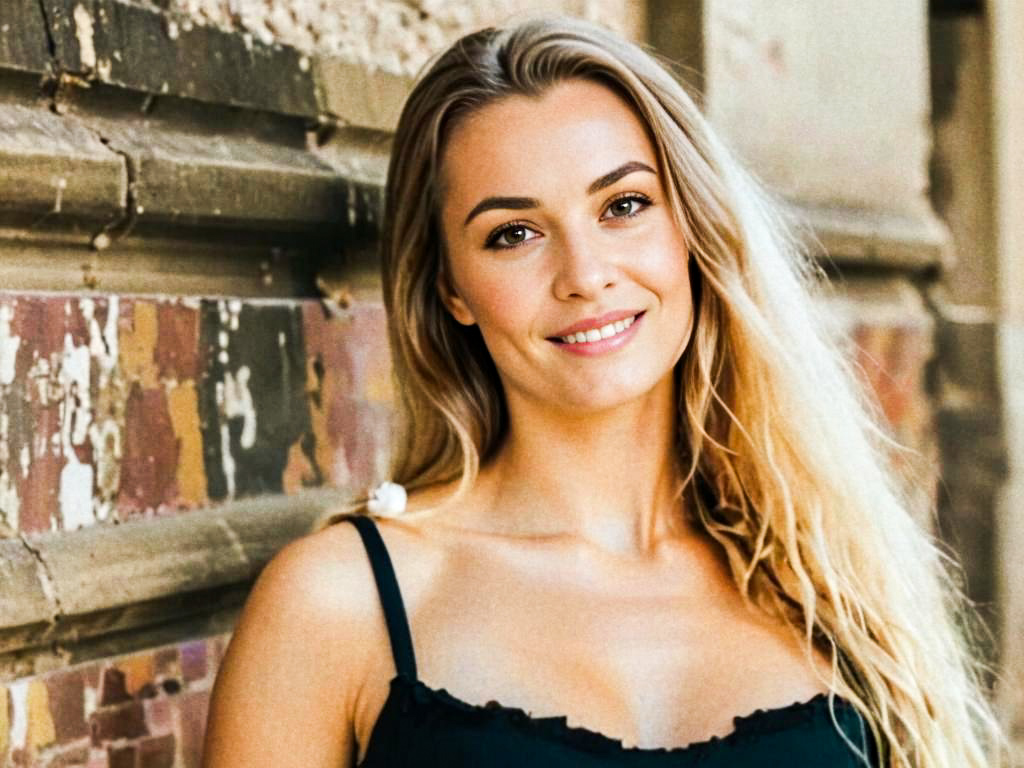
<point x="238" y="403"/>
<point x="139" y="344"/>
<point x="19" y="713"/>
<point x="226" y="459"/>
<point x="10" y="504"/>
<point x="105" y="436"/>
<point x="75" y="497"/>
<point x="84" y="33"/>
<point x="183" y="407"/>
<point x="9" y="344"/>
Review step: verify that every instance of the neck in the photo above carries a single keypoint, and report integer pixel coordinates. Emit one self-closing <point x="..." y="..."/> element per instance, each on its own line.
<point x="609" y="479"/>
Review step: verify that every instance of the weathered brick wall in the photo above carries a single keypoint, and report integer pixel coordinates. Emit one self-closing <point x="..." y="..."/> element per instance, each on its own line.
<point x="144" y="710"/>
<point x="119" y="407"/>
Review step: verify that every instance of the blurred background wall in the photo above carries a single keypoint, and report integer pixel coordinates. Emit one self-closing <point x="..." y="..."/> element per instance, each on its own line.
<point x="192" y="360"/>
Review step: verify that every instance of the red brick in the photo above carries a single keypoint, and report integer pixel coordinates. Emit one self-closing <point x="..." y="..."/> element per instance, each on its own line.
<point x="121" y="757"/>
<point x="194" y="709"/>
<point x="113" y="688"/>
<point x="177" y="346"/>
<point x="122" y="721"/>
<point x="66" y="692"/>
<point x="157" y="752"/>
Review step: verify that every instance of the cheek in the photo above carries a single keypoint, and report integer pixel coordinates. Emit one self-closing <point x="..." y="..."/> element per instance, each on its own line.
<point x="497" y="301"/>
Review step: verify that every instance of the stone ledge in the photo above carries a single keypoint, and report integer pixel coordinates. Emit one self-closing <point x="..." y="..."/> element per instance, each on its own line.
<point x="84" y="585"/>
<point x="864" y="238"/>
<point x="23" y="36"/>
<point x="160" y="53"/>
<point x="164" y="53"/>
<point x="100" y="168"/>
<point x="56" y="166"/>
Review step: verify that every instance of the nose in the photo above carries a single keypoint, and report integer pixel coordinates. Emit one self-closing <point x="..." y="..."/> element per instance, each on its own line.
<point x="584" y="266"/>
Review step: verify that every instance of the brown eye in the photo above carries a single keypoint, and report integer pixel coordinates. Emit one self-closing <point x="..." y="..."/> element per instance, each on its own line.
<point x="622" y="207"/>
<point x="514" y="235"/>
<point x="510" y="236"/>
<point x="627" y="206"/>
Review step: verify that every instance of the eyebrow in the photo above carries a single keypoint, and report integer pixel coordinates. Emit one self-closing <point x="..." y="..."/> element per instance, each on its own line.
<point x="523" y="203"/>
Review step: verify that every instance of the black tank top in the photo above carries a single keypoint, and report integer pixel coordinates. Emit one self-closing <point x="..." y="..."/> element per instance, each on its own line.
<point x="423" y="726"/>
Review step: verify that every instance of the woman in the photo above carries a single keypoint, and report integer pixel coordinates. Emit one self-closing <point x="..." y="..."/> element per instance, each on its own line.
<point x="649" y="522"/>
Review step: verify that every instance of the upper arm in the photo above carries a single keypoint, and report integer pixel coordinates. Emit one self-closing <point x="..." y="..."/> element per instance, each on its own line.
<point x="285" y="693"/>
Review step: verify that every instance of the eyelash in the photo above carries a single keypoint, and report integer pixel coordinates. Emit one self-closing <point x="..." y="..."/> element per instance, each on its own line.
<point x="492" y="238"/>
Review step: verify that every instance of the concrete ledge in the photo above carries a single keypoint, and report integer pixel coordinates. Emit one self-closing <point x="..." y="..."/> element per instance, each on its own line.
<point x="81" y="586"/>
<point x="55" y="165"/>
<point x="23" y="36"/>
<point x="875" y="238"/>
<point x="158" y="52"/>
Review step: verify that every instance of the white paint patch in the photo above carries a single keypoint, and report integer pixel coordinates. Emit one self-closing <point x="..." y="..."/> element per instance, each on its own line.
<point x="227" y="461"/>
<point x="9" y="344"/>
<point x="10" y="504"/>
<point x="84" y="33"/>
<point x="26" y="460"/>
<point x="19" y="715"/>
<point x="238" y="403"/>
<point x="76" y="494"/>
<point x="103" y="342"/>
<point x="76" y="414"/>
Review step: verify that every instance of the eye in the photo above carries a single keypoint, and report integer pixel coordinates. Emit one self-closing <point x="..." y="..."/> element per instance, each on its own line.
<point x="626" y="206"/>
<point x="509" y="235"/>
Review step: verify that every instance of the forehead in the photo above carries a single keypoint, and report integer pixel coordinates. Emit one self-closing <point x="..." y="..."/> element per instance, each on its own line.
<point x="574" y="132"/>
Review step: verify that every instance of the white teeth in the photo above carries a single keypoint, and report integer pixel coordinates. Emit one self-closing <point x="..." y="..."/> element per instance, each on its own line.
<point x="596" y="334"/>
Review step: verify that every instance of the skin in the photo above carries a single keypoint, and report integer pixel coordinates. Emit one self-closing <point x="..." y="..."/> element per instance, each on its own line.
<point x="566" y="583"/>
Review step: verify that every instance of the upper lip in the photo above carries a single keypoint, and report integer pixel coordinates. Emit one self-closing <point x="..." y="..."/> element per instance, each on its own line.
<point x="600" y="321"/>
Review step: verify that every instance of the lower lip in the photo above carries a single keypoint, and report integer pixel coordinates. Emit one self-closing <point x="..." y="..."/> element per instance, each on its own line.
<point x="601" y="346"/>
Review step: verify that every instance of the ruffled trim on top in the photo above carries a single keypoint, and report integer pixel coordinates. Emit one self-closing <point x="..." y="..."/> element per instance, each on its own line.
<point x="760" y="722"/>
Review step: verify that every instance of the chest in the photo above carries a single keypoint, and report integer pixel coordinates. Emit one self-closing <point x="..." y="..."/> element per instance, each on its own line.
<point x="647" y="660"/>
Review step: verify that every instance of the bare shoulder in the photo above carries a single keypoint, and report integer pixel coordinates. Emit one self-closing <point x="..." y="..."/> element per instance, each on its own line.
<point x="292" y="675"/>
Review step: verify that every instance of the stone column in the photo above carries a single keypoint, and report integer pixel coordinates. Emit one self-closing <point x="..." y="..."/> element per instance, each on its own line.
<point x="1006" y="27"/>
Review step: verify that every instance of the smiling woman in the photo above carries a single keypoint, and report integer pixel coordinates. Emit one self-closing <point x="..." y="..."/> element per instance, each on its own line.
<point x="648" y="513"/>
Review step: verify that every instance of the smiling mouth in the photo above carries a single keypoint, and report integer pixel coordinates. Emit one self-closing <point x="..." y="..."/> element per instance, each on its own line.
<point x="609" y="331"/>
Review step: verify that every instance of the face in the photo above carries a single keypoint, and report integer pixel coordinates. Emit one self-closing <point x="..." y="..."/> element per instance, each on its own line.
<point x="562" y="248"/>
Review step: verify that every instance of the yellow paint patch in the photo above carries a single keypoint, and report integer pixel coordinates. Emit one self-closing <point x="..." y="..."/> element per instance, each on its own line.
<point x="138" y="670"/>
<point x="183" y="405"/>
<point x="139" y="344"/>
<point x="41" y="730"/>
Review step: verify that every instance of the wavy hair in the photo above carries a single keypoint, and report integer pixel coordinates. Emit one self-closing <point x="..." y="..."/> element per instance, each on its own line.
<point x="785" y="464"/>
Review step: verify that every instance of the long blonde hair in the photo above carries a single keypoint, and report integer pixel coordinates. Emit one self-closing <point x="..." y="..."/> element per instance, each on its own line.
<point x="785" y="466"/>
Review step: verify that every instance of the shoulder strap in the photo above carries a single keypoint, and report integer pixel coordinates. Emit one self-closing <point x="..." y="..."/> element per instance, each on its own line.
<point x="390" y="596"/>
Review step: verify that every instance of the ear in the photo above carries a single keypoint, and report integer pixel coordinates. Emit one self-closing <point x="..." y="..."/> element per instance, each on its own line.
<point x="456" y="307"/>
